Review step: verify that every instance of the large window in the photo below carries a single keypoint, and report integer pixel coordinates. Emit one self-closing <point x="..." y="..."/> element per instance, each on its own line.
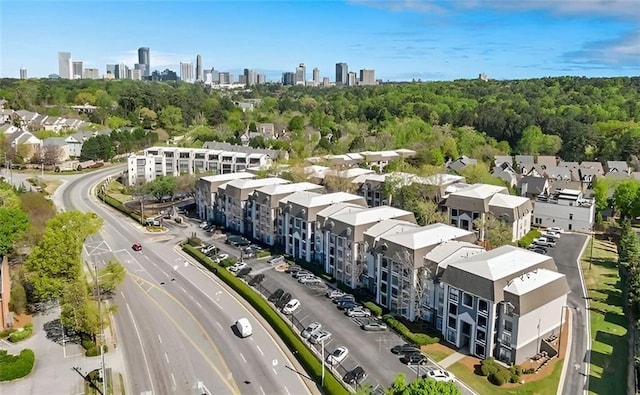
<point x="483" y="306"/>
<point x="508" y="326"/>
<point x="452" y="322"/>
<point x="453" y="308"/>
<point x="453" y="295"/>
<point x="482" y="322"/>
<point x="479" y="351"/>
<point x="467" y="300"/>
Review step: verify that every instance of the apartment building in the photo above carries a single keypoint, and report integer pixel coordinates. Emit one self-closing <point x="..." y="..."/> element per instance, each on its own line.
<point x="396" y="256"/>
<point x="477" y="201"/>
<point x="206" y="193"/>
<point x="342" y="238"/>
<point x="264" y="208"/>
<point x="501" y="303"/>
<point x="567" y="209"/>
<point x="232" y="202"/>
<point x="377" y="159"/>
<point x="298" y="232"/>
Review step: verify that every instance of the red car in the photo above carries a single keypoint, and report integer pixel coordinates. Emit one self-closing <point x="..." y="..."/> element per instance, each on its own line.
<point x="137" y="247"/>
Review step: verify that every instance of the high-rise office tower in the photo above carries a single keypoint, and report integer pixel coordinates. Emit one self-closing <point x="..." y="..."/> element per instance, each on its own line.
<point x="23" y="73"/>
<point x="342" y="74"/>
<point x="325" y="81"/>
<point x="90" y="74"/>
<point x="301" y="74"/>
<point x="144" y="58"/>
<point x="316" y="76"/>
<point x="111" y="69"/>
<point x="140" y="66"/>
<point x="199" y="68"/>
<point x="186" y="71"/>
<point x="215" y="76"/>
<point x="260" y="79"/>
<point x="352" y="78"/>
<point x="77" y="70"/>
<point x="249" y="77"/>
<point x="64" y="65"/>
<point x="367" y="77"/>
<point x="121" y="71"/>
<point x="288" y="78"/>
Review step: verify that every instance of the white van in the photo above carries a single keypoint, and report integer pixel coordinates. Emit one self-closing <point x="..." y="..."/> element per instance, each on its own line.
<point x="244" y="327"/>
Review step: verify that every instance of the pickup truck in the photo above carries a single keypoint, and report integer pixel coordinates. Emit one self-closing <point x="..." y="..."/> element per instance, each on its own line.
<point x="545" y="242"/>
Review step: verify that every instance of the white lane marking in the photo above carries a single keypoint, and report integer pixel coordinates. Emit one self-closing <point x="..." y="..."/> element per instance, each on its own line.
<point x="216" y="303"/>
<point x="219" y="325"/>
<point x="144" y="355"/>
<point x="259" y="349"/>
<point x="173" y="379"/>
<point x="166" y="357"/>
<point x="252" y="339"/>
<point x="275" y="371"/>
<point x="183" y="290"/>
<point x="243" y="358"/>
<point x="159" y="339"/>
<point x="287" y="390"/>
<point x="198" y="303"/>
<point x="121" y="294"/>
<point x="262" y="390"/>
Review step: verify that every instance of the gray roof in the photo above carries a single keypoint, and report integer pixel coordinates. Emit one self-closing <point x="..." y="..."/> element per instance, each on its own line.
<point x="216" y="145"/>
<point x="617" y="165"/>
<point x="461" y="163"/>
<point x="370" y="215"/>
<point x="313" y="199"/>
<point x="570" y="165"/>
<point x="524" y="159"/>
<point x="547" y="161"/>
<point x="535" y="185"/>
<point x="425" y="236"/>
<point x="59" y="141"/>
<point x="500" y="159"/>
<point x="596" y="166"/>
<point x="558" y="173"/>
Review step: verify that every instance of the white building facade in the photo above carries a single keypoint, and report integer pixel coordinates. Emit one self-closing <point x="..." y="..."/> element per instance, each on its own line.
<point x="567" y="209"/>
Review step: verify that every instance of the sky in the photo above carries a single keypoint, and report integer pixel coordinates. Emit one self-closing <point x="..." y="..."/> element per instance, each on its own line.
<point x="401" y="39"/>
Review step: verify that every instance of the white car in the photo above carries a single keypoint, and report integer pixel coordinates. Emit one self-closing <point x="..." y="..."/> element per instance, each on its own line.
<point x="339" y="355"/>
<point x="440" y="375"/>
<point x="551" y="235"/>
<point x="359" y="312"/>
<point x="311" y="330"/>
<point x="309" y="280"/>
<point x="555" y="229"/>
<point x="203" y="224"/>
<point x="319" y="337"/>
<point x="334" y="293"/>
<point x="223" y="256"/>
<point x="237" y="267"/>
<point x="291" y="307"/>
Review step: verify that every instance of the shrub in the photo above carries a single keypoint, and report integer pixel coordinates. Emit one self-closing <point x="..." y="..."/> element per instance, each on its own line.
<point x="228" y="262"/>
<point x="375" y="309"/>
<point x="500" y="377"/>
<point x="489" y="366"/>
<point x="262" y="254"/>
<point x="21" y="334"/>
<point x="419" y="339"/>
<point x="194" y="241"/>
<point x="514" y="378"/>
<point x="516" y="370"/>
<point x="16" y="366"/>
<point x="115" y="203"/>
<point x="529" y="371"/>
<point x="527" y="239"/>
<point x="88" y="344"/>
<point x="92" y="352"/>
<point x="308" y="360"/>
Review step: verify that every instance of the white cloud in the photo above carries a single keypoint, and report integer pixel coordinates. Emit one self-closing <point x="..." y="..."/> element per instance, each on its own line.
<point x="623" y="51"/>
<point x="158" y="59"/>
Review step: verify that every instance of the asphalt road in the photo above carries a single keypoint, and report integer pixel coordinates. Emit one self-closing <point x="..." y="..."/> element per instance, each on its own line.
<point x="371" y="350"/>
<point x="174" y="320"/>
<point x="566" y="254"/>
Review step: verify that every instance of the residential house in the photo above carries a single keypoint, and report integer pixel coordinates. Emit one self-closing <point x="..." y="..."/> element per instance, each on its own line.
<point x="524" y="163"/>
<point x="618" y="166"/>
<point x="264" y="208"/>
<point x="567" y="209"/>
<point x="558" y="173"/>
<point x="8" y="129"/>
<point x="500" y="159"/>
<point x="298" y="232"/>
<point x="69" y="147"/>
<point x="396" y="263"/>
<point x="343" y="238"/>
<point x="227" y="147"/>
<point x="25" y="144"/>
<point x="206" y="194"/>
<point x="267" y="130"/>
<point x="505" y="172"/>
<point x="589" y="171"/>
<point x="233" y="198"/>
<point x="6" y="115"/>
<point x="344" y="160"/>
<point x="546" y="161"/>
<point x="501" y="303"/>
<point x="379" y="159"/>
<point x="531" y="187"/>
<point x="477" y="201"/>
<point x="460" y="163"/>
<point x="6" y="317"/>
<point x="27" y="118"/>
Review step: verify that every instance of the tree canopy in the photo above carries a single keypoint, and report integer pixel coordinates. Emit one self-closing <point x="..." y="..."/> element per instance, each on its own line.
<point x="421" y="386"/>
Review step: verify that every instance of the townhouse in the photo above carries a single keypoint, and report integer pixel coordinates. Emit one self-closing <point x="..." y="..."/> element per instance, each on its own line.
<point x="264" y="208"/>
<point x="565" y="208"/>
<point x="298" y="230"/>
<point x="475" y="202"/>
<point x="206" y="194"/>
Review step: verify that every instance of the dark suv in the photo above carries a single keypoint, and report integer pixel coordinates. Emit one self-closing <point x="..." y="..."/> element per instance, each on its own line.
<point x="355" y="376"/>
<point x="414" y="359"/>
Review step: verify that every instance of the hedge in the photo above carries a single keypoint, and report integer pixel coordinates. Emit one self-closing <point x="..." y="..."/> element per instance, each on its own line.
<point x="263" y="254"/>
<point x="20" y="335"/>
<point x="118" y="205"/>
<point x="421" y="339"/>
<point x="307" y="358"/>
<point x="375" y="309"/>
<point x="527" y="239"/>
<point x="497" y="374"/>
<point x="16" y="366"/>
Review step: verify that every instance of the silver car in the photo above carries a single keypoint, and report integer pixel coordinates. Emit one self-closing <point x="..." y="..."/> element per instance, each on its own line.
<point x="311" y="330"/>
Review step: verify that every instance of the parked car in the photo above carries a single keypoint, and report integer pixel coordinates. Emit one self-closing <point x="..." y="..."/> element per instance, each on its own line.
<point x="284" y="299"/>
<point x="337" y="356"/>
<point x="311" y="330"/>
<point x="291" y="306"/>
<point x="551" y="235"/>
<point x="309" y="280"/>
<point x="345" y="298"/>
<point x="208" y="248"/>
<point x="276" y="259"/>
<point x="203" y="224"/>
<point x="244" y="271"/>
<point x="355" y="376"/>
<point x="206" y="228"/>
<point x="276" y="295"/>
<point x="236" y="267"/>
<point x="439" y="375"/>
<point x="347" y="304"/>
<point x="293" y="269"/>
<point x="359" y="312"/>
<point x="257" y="279"/>
<point x="223" y="256"/>
<point x="543" y="241"/>
<point x="414" y="359"/>
<point x="137" y="247"/>
<point x="301" y="273"/>
<point x="334" y="294"/>
<point x="374" y="326"/>
<point x="406" y="348"/>
<point x="539" y="250"/>
<point x="555" y="229"/>
<point x="320" y="337"/>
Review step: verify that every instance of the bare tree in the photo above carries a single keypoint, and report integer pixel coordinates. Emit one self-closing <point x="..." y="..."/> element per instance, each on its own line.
<point x="420" y="279"/>
<point x="52" y="154"/>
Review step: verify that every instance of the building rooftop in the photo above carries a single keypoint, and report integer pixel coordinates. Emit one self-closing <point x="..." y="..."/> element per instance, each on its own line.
<point x="451" y="251"/>
<point x="530" y="281"/>
<point x="500" y="262"/>
<point x="507" y="201"/>
<point x="248" y="183"/>
<point x="339" y="208"/>
<point x="277" y="189"/>
<point x="228" y="177"/>
<point x="390" y="226"/>
<point x="313" y="199"/>
<point x="427" y="236"/>
<point x="371" y="215"/>
<point x="480" y="191"/>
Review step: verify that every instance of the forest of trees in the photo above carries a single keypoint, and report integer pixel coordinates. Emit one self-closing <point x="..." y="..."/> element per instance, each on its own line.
<point x="576" y="118"/>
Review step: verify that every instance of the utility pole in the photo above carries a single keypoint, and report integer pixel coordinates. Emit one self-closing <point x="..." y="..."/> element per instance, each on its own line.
<point x="322" y="382"/>
<point x="104" y="376"/>
<point x="89" y="381"/>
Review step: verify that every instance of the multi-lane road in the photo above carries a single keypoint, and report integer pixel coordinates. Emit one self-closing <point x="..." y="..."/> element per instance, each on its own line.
<point x="174" y="320"/>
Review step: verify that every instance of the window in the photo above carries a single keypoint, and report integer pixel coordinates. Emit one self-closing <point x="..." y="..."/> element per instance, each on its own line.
<point x="385" y="276"/>
<point x="452" y="322"/>
<point x="453" y="295"/>
<point x="383" y="288"/>
<point x="479" y="351"/>
<point x="506" y="339"/>
<point x="537" y="221"/>
<point x="483" y="306"/>
<point x="508" y="326"/>
<point x="454" y="212"/>
<point x="482" y="322"/>
<point x="451" y="336"/>
<point x="481" y="336"/>
<point x="453" y="309"/>
<point x="467" y="300"/>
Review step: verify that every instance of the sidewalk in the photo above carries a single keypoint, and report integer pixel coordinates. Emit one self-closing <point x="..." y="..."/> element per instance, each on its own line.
<point x="451" y="359"/>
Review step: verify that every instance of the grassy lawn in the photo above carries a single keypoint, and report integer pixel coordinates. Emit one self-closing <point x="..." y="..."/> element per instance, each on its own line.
<point x="608" y="369"/>
<point x="115" y="191"/>
<point x="544" y="386"/>
<point x="437" y="351"/>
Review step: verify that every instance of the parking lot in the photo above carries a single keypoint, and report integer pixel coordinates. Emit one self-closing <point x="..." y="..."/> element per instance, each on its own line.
<point x="369" y="349"/>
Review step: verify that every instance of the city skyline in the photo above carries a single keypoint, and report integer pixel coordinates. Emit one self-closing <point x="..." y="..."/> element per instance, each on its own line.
<point x="401" y="40"/>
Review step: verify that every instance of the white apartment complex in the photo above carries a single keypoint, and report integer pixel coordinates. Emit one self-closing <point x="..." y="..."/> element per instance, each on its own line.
<point x="567" y="209"/>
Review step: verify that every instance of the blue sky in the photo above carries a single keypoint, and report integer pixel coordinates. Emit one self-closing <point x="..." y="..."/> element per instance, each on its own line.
<point x="400" y="39"/>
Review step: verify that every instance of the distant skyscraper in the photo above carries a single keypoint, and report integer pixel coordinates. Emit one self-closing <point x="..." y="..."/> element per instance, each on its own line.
<point x="367" y="77"/>
<point x="301" y="74"/>
<point x="142" y="67"/>
<point x="215" y="76"/>
<point x="111" y="69"/>
<point x="144" y="58"/>
<point x="91" y="74"/>
<point x="325" y="81"/>
<point x="316" y="76"/>
<point x="23" y="73"/>
<point x="260" y="79"/>
<point x="225" y="78"/>
<point x="77" y="70"/>
<point x="64" y="65"/>
<point x="342" y="74"/>
<point x="122" y="71"/>
<point x="199" y="68"/>
<point x="249" y="76"/>
<point x="352" y="79"/>
<point x="186" y="71"/>
<point x="288" y="78"/>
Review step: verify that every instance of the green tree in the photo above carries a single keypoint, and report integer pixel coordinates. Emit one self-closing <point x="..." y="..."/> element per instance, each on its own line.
<point x="421" y="386"/>
<point x="110" y="276"/>
<point x="497" y="232"/>
<point x="627" y="198"/>
<point x="427" y="213"/>
<point x="161" y="186"/>
<point x="535" y="142"/>
<point x="170" y="118"/>
<point x="601" y="193"/>
<point x="148" y="117"/>
<point x="296" y="123"/>
<point x="78" y="311"/>
<point x="18" y="302"/>
<point x="14" y="223"/>
<point x="479" y="173"/>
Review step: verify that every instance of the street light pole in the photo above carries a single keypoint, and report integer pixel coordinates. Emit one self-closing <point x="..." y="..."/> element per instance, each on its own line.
<point x="322" y="381"/>
<point x="104" y="376"/>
